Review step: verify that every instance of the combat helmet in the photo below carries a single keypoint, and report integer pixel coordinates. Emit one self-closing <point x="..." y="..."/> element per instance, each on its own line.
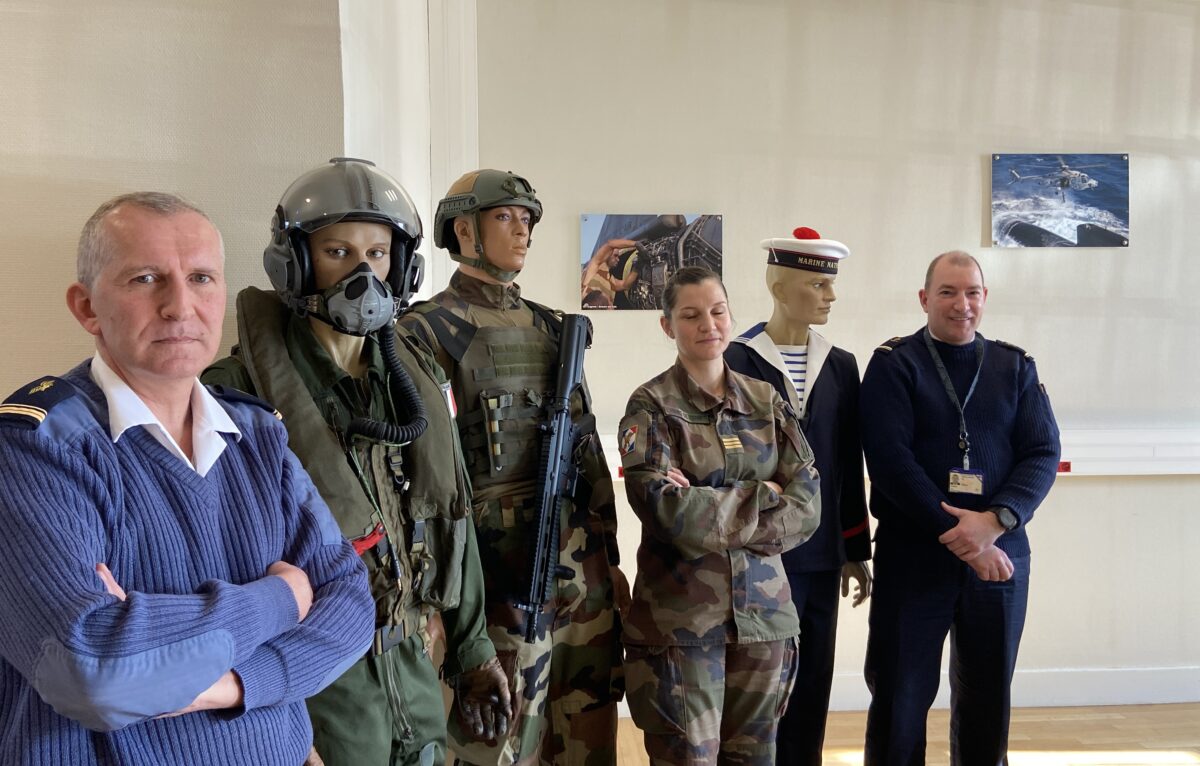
<point x="344" y="189"/>
<point x="476" y="191"/>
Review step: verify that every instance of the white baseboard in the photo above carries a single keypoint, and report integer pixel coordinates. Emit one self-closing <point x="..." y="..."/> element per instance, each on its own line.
<point x="1067" y="687"/>
<point x="1063" y="687"/>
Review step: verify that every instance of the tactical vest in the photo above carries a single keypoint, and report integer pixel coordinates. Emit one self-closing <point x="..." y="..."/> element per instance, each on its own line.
<point x="420" y="506"/>
<point x="501" y="377"/>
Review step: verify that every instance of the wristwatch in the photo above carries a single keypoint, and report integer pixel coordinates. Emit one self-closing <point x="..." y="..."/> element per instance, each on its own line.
<point x="1007" y="518"/>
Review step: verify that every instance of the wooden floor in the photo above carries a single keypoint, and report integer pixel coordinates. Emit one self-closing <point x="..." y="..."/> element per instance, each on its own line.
<point x="1127" y="735"/>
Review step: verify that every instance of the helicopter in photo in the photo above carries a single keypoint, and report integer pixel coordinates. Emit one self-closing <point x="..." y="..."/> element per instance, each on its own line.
<point x="1066" y="177"/>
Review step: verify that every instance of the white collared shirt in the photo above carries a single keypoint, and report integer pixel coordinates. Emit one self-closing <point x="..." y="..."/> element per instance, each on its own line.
<point x="126" y="410"/>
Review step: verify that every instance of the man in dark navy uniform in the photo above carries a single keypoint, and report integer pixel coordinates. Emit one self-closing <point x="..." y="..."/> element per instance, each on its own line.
<point x="820" y="382"/>
<point x="961" y="447"/>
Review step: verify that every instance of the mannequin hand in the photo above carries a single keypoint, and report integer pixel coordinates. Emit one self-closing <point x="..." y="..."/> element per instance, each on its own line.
<point x="992" y="565"/>
<point x="974" y="533"/>
<point x="483" y="701"/>
<point x="860" y="572"/>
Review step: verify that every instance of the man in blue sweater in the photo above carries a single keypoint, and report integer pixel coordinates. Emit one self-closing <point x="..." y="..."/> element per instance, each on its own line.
<point x="171" y="585"/>
<point x="961" y="448"/>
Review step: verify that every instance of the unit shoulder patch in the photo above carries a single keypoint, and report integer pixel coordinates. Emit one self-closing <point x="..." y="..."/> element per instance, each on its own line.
<point x="28" y="406"/>
<point x="891" y="344"/>
<point x="241" y="397"/>
<point x="627" y="441"/>
<point x="1014" y="347"/>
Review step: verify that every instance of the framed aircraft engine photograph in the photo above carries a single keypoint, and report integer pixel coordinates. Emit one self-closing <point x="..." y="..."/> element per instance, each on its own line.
<point x="1060" y="200"/>
<point x="625" y="260"/>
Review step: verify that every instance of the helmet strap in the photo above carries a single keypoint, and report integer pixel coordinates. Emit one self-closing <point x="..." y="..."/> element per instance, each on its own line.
<point x="480" y="261"/>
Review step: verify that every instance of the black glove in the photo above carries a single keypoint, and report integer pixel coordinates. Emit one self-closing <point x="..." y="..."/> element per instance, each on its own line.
<point x="483" y="701"/>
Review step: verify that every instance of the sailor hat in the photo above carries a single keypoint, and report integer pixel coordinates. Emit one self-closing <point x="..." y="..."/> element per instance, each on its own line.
<point x="806" y="250"/>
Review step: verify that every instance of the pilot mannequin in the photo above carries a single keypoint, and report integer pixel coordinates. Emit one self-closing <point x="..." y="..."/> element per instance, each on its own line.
<point x="367" y="417"/>
<point x="500" y="352"/>
<point x="820" y="382"/>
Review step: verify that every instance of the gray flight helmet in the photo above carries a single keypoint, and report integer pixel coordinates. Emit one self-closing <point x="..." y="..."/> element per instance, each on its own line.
<point x="476" y="191"/>
<point x="344" y="189"/>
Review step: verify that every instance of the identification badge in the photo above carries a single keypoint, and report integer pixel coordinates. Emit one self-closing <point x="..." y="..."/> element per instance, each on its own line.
<point x="966" y="482"/>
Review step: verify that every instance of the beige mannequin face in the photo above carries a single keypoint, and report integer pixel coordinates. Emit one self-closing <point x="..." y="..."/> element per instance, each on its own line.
<point x="339" y="248"/>
<point x="505" y="235"/>
<point x="804" y="297"/>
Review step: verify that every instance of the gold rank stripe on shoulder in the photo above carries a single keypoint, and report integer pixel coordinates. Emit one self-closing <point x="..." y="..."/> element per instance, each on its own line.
<point x="731" y="443"/>
<point x="885" y="347"/>
<point x="37" y="413"/>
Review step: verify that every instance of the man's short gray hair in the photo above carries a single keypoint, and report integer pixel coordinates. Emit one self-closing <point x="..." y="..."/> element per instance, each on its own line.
<point x="957" y="258"/>
<point x="95" y="249"/>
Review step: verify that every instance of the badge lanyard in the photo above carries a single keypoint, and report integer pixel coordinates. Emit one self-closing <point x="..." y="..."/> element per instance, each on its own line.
<point x="964" y="442"/>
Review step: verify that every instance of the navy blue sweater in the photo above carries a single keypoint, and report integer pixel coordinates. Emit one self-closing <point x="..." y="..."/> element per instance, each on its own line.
<point x="910" y="438"/>
<point x="82" y="674"/>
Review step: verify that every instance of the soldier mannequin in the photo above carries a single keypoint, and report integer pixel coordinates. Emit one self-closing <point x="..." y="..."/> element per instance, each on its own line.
<point x="820" y="381"/>
<point x="499" y="352"/>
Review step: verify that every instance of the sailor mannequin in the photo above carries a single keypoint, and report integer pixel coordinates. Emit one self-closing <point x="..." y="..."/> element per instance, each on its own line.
<point x="820" y="381"/>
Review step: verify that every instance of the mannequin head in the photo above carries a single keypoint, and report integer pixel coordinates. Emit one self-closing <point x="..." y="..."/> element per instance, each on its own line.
<point x="802" y="297"/>
<point x="801" y="272"/>
<point x="486" y="221"/>
<point x="344" y="216"/>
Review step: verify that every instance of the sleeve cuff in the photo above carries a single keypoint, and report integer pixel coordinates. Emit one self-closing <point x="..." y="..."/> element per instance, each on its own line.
<point x="275" y="603"/>
<point x="470" y="654"/>
<point x="264" y="678"/>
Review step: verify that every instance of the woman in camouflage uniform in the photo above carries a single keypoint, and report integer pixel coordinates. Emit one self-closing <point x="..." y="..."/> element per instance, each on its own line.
<point x="723" y="481"/>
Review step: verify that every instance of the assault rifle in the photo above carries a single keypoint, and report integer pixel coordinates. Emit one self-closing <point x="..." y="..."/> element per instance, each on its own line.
<point x="557" y="473"/>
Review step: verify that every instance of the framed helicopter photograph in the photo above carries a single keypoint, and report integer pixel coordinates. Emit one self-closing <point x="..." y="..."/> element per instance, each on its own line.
<point x="1060" y="200"/>
<point x="625" y="260"/>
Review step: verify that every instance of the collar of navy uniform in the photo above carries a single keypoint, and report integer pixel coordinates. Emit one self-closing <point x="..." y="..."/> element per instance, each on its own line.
<point x="752" y="333"/>
<point x="126" y="410"/>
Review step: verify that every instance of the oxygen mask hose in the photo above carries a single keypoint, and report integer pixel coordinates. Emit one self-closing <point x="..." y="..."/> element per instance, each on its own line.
<point x="405" y="393"/>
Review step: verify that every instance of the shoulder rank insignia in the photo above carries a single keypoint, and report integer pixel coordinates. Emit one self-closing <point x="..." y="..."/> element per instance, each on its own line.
<point x="1016" y="348"/>
<point x="241" y="397"/>
<point x="27" y="406"/>
<point x="890" y="344"/>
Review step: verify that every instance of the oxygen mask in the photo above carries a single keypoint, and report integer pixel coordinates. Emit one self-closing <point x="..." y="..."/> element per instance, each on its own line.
<point x="359" y="304"/>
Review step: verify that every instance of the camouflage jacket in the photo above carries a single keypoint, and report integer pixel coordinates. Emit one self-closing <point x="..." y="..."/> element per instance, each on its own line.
<point x="709" y="567"/>
<point x="448" y="327"/>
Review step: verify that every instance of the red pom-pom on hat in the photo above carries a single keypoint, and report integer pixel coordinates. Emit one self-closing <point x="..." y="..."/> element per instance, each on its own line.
<point x="806" y="250"/>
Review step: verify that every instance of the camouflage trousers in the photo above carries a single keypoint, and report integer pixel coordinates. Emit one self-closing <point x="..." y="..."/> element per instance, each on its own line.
<point x="710" y="704"/>
<point x="565" y="686"/>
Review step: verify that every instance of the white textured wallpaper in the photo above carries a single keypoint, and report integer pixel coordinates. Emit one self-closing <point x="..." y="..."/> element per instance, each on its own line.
<point x="221" y="101"/>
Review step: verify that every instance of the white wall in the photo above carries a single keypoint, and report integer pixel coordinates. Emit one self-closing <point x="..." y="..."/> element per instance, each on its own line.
<point x="873" y="122"/>
<point x="870" y="121"/>
<point x="224" y="102"/>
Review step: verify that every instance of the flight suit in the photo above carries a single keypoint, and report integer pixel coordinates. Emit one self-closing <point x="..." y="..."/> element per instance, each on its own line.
<point x="404" y="508"/>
